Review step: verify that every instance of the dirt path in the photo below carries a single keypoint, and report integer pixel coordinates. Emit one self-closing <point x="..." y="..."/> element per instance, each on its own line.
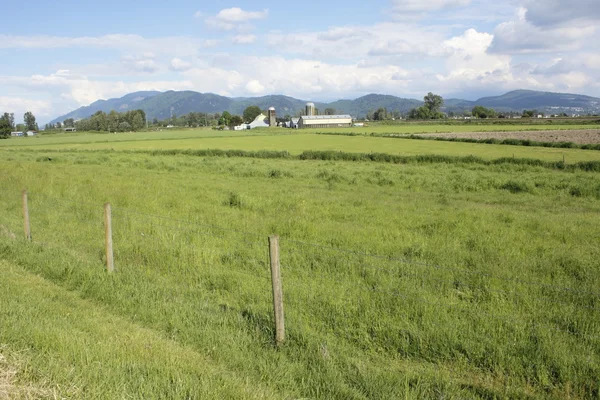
<point x="586" y="136"/>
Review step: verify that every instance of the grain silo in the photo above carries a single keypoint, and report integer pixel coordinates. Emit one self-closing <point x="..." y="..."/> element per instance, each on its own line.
<point x="310" y="109"/>
<point x="272" y="117"/>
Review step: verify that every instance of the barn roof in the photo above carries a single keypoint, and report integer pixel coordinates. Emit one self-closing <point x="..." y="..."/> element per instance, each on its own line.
<point x="326" y="117"/>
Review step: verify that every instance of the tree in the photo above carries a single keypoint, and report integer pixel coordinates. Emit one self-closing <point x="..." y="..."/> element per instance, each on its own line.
<point x="482" y="112"/>
<point x="29" y="120"/>
<point x="529" y="113"/>
<point x="330" y="111"/>
<point x="124" y="126"/>
<point x="236" y="120"/>
<point x="380" y="114"/>
<point x="433" y="102"/>
<point x="137" y="122"/>
<point x="250" y="113"/>
<point x="69" y="123"/>
<point x="10" y="118"/>
<point x="58" y="125"/>
<point x="112" y="121"/>
<point x="430" y="109"/>
<point x="5" y="127"/>
<point x="225" y="118"/>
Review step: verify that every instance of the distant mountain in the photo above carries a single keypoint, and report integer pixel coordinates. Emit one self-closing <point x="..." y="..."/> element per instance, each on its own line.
<point x="363" y="105"/>
<point x="162" y="105"/>
<point x="542" y="101"/>
<point x="130" y="101"/>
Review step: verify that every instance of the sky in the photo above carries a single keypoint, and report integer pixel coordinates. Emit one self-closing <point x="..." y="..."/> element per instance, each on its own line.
<point x="58" y="56"/>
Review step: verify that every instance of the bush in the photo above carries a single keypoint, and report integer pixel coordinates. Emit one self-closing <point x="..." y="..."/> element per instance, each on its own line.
<point x="516" y="187"/>
<point x="234" y="200"/>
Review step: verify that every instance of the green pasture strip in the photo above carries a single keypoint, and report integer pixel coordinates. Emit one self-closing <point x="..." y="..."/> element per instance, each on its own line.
<point x="296" y="144"/>
<point x="104" y="137"/>
<point x="341" y="156"/>
<point x="81" y="350"/>
<point x="484" y="284"/>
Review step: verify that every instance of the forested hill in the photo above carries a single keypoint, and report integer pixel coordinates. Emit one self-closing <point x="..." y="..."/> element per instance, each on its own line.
<point x="162" y="105"/>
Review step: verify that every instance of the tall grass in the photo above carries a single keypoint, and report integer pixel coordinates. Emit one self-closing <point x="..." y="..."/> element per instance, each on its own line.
<point x="417" y="280"/>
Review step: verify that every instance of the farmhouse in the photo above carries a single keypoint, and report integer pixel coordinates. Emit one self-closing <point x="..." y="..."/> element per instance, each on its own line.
<point x="324" y="121"/>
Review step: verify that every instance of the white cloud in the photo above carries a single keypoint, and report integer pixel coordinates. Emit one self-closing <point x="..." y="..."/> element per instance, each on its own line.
<point x="19" y="106"/>
<point x="521" y="36"/>
<point x="243" y="39"/>
<point x="255" y="87"/>
<point x="352" y="42"/>
<point x="145" y="63"/>
<point x="198" y="14"/>
<point x="235" y="18"/>
<point x="178" y="64"/>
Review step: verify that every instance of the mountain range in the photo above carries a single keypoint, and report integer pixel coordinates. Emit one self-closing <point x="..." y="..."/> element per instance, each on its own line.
<point x="162" y="105"/>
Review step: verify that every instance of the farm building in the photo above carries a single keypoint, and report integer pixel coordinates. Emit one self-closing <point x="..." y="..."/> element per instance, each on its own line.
<point x="261" y="121"/>
<point x="293" y="123"/>
<point x="324" y="121"/>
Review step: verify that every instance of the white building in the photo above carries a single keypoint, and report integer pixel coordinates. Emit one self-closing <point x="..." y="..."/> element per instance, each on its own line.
<point x="261" y="121"/>
<point x="325" y="121"/>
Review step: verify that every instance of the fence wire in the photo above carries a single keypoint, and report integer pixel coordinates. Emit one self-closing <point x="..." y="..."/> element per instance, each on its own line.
<point x="154" y="240"/>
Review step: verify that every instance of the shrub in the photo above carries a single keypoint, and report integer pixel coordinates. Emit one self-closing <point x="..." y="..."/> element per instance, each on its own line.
<point x="516" y="187"/>
<point x="234" y="200"/>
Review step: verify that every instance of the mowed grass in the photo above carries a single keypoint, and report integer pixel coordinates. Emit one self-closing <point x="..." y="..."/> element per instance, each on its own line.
<point x="297" y="143"/>
<point x="484" y="283"/>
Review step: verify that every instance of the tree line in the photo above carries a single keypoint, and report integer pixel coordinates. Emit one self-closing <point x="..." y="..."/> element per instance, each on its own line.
<point x="7" y="124"/>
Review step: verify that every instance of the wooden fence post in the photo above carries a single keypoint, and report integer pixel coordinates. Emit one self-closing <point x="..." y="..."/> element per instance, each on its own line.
<point x="110" y="265"/>
<point x="26" y="217"/>
<point x="277" y="289"/>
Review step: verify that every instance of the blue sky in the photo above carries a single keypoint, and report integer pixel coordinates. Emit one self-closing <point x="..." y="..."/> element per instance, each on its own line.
<point x="63" y="55"/>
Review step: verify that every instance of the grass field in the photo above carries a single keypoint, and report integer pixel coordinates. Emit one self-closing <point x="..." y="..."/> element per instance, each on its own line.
<point x="169" y="134"/>
<point x="432" y="280"/>
<point x="297" y="143"/>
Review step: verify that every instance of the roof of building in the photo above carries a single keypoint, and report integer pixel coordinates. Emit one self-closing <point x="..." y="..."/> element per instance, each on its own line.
<point x="271" y="108"/>
<point x="326" y="117"/>
<point x="310" y="104"/>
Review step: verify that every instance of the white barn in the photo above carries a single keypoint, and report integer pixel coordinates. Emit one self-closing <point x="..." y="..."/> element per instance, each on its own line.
<point x="325" y="121"/>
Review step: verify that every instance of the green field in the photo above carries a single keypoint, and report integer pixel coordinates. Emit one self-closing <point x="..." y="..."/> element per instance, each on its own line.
<point x="299" y="142"/>
<point x="423" y="280"/>
<point x="169" y="134"/>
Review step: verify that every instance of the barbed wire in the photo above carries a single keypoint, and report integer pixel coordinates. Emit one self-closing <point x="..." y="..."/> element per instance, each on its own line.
<point x="191" y="228"/>
<point x="440" y="267"/>
<point x="180" y="221"/>
<point x="452" y="282"/>
<point x="411" y="297"/>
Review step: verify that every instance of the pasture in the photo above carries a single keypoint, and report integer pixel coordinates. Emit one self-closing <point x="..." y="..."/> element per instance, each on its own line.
<point x="295" y="142"/>
<point x="421" y="280"/>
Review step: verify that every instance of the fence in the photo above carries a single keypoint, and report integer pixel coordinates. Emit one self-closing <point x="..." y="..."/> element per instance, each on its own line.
<point x="329" y="290"/>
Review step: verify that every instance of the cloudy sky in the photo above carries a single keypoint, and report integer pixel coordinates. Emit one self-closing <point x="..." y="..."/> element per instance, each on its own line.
<point x="57" y="56"/>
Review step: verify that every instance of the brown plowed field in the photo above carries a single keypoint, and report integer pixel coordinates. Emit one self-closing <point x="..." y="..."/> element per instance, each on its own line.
<point x="587" y="136"/>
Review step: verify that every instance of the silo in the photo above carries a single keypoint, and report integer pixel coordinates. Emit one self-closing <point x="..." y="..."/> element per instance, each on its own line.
<point x="272" y="117"/>
<point x="310" y="109"/>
